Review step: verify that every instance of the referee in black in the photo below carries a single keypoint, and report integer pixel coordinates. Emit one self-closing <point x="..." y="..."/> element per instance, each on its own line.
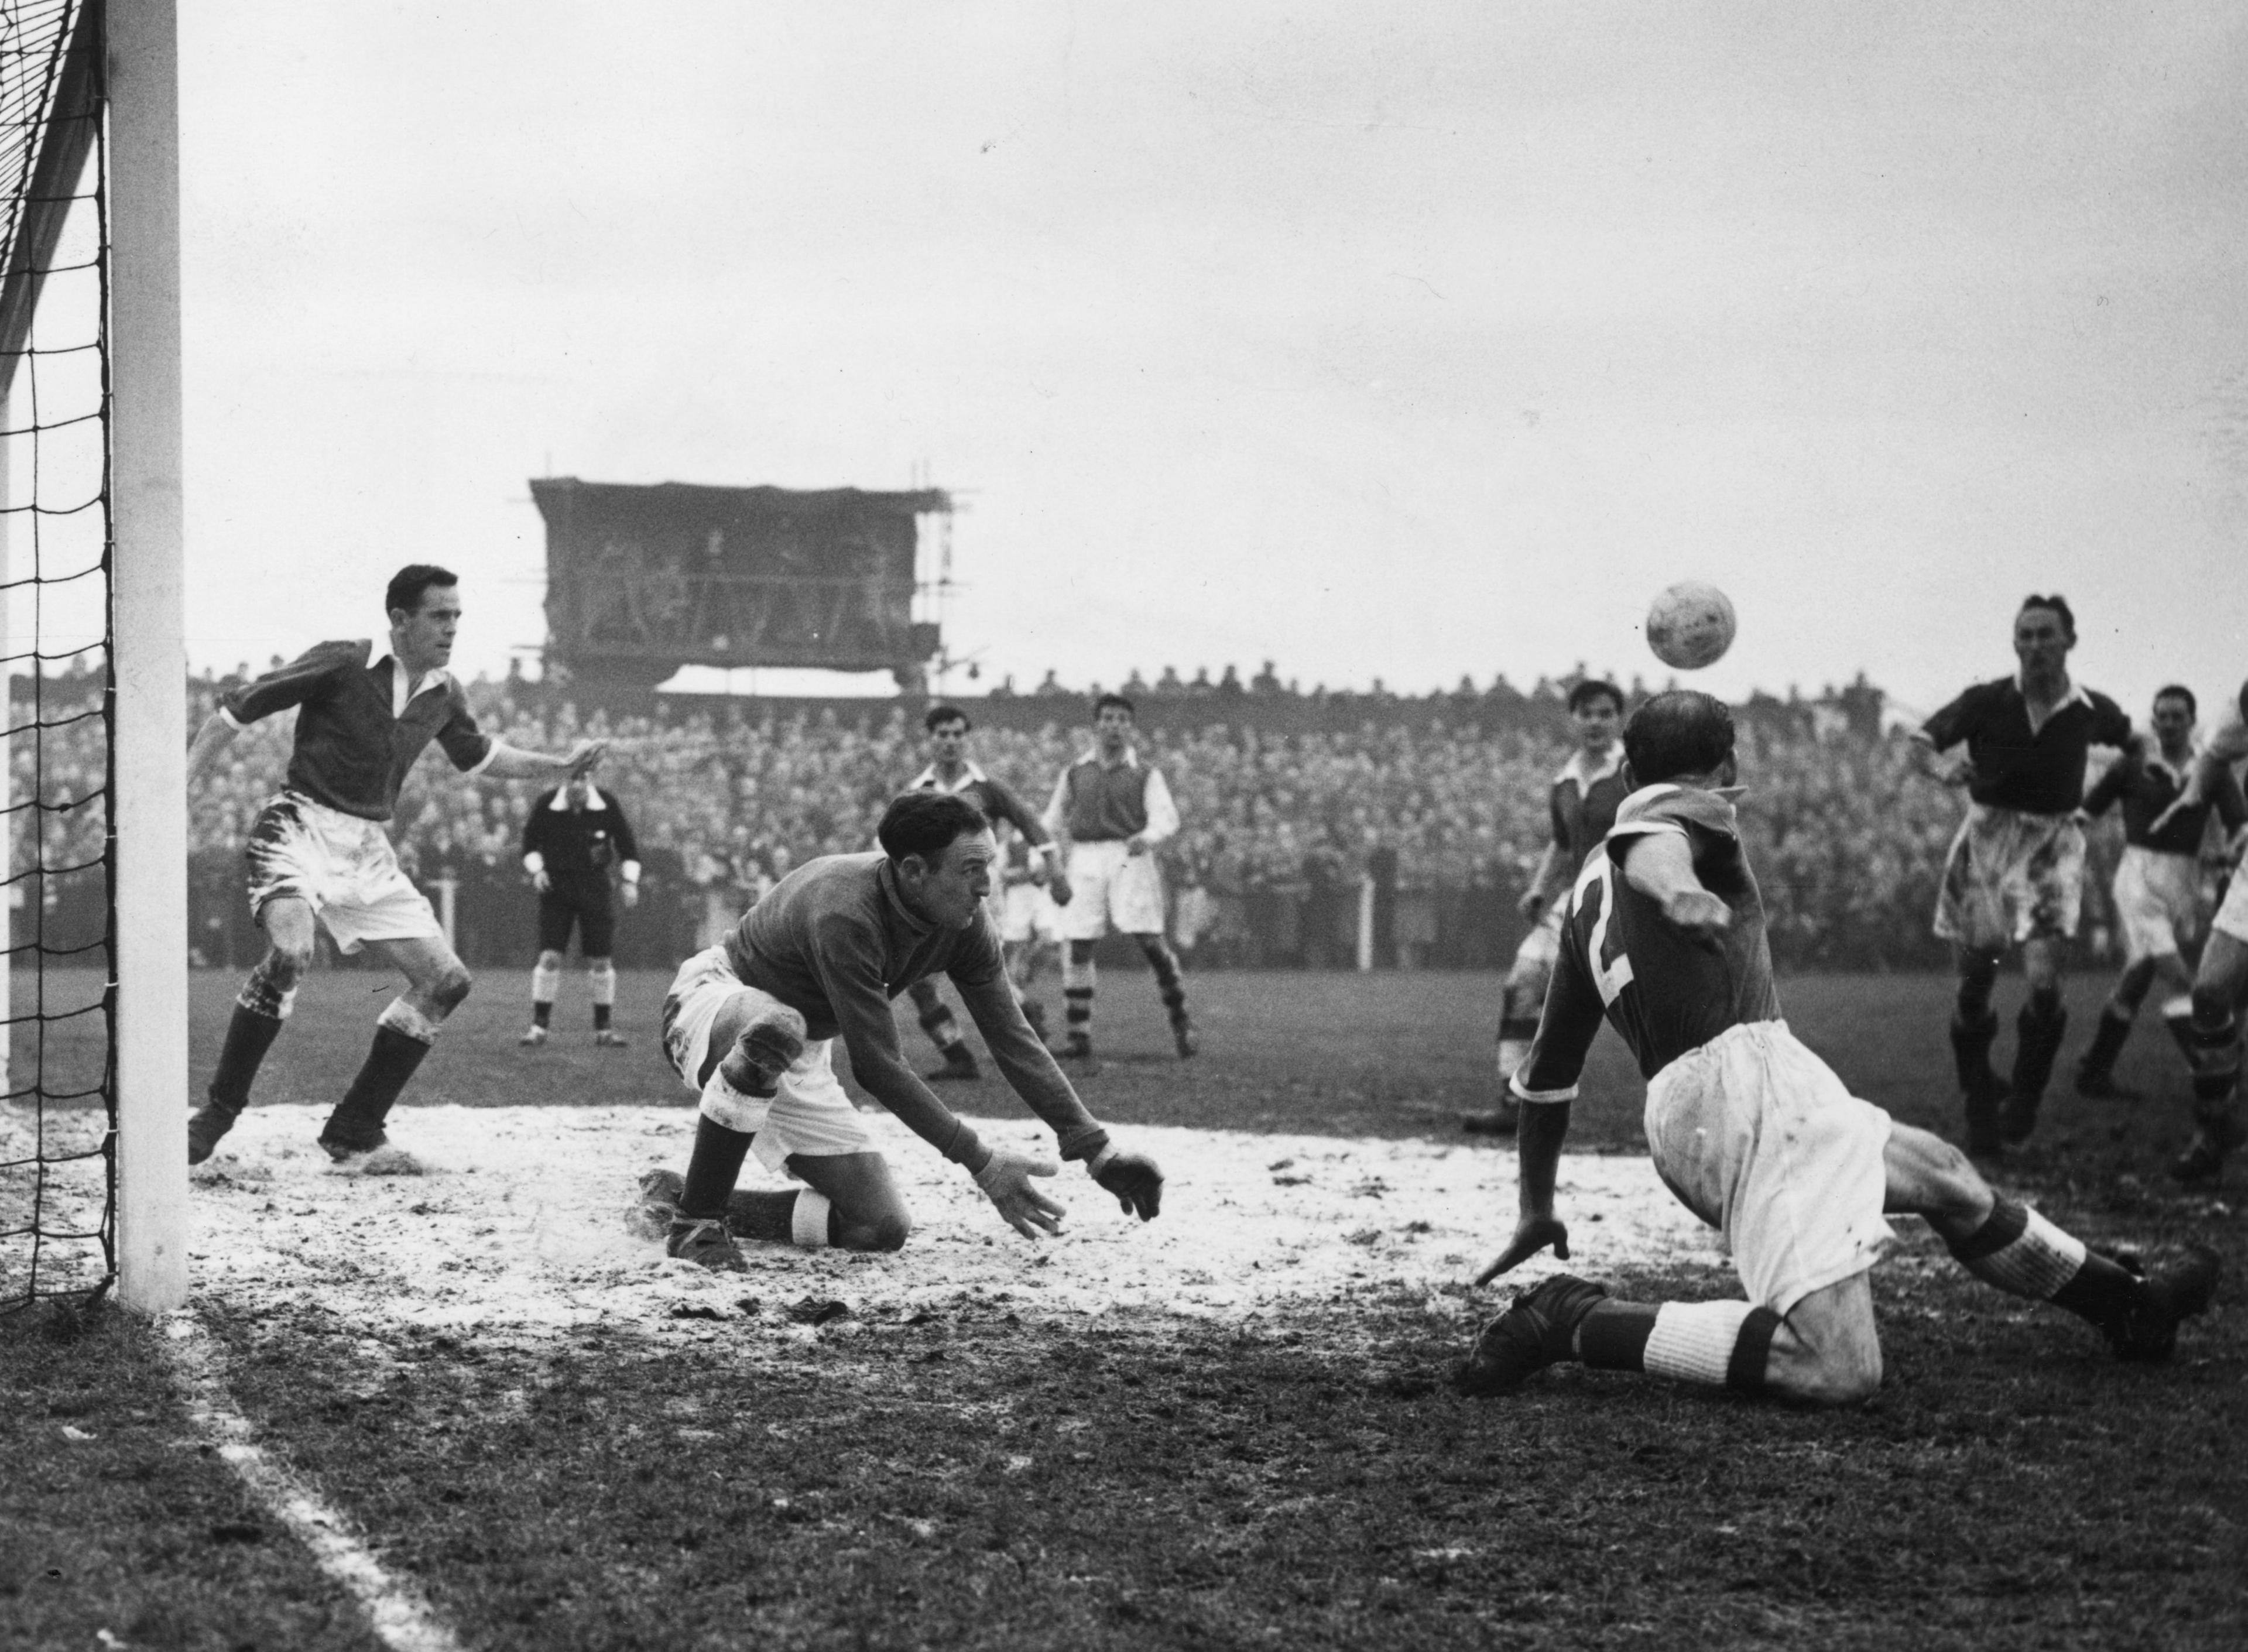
<point x="574" y="834"/>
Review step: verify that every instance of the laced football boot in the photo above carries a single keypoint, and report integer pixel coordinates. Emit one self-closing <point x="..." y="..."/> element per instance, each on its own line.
<point x="533" y="1035"/>
<point x="766" y="1048"/>
<point x="2179" y="1291"/>
<point x="1538" y="1329"/>
<point x="344" y="1150"/>
<point x="205" y="1125"/>
<point x="706" y="1242"/>
<point x="610" y="1038"/>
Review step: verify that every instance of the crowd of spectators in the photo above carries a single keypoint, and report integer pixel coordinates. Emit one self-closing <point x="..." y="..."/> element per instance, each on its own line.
<point x="1281" y="829"/>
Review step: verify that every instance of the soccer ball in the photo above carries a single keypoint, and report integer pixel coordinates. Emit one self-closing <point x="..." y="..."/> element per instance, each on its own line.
<point x="1690" y="625"/>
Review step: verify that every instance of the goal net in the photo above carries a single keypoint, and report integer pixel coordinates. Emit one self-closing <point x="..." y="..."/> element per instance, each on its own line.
<point x="85" y="612"/>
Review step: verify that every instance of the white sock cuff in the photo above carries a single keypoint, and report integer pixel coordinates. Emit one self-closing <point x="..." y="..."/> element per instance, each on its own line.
<point x="723" y="1104"/>
<point x="1694" y="1341"/>
<point x="2179" y="1008"/>
<point x="402" y="1016"/>
<point x="807" y="1223"/>
<point x="545" y="984"/>
<point x="2038" y="1263"/>
<point x="602" y="977"/>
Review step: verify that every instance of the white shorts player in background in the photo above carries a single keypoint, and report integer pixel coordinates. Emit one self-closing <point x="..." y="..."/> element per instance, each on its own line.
<point x="1665" y="939"/>
<point x="1583" y="804"/>
<point x="318" y="852"/>
<point x="2015" y="875"/>
<point x="1109" y="811"/>
<point x="2157" y="884"/>
<point x="2220" y="983"/>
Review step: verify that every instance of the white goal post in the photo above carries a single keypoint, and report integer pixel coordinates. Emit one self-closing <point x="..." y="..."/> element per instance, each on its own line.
<point x="149" y="655"/>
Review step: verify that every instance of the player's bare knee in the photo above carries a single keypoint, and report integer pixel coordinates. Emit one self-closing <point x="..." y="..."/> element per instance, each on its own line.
<point x="1830" y="1366"/>
<point x="450" y="987"/>
<point x="286" y="963"/>
<point x="885" y="1231"/>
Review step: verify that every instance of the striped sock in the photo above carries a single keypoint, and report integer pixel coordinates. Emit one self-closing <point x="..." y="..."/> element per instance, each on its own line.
<point x="1716" y="1344"/>
<point x="2024" y="1255"/>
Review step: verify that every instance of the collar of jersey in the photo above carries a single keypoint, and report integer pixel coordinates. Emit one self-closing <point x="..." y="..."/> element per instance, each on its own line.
<point x="561" y="804"/>
<point x="1131" y="757"/>
<point x="927" y="780"/>
<point x="1587" y="778"/>
<point x="429" y="679"/>
<point x="2076" y="694"/>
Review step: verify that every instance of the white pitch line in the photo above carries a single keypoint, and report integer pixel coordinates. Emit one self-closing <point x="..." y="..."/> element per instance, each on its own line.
<point x="402" y="1619"/>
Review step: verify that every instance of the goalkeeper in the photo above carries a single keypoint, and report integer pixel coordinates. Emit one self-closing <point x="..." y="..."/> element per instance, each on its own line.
<point x="751" y="1024"/>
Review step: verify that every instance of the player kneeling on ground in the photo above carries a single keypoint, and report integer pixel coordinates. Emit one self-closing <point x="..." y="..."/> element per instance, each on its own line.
<point x="1665" y="935"/>
<point x="751" y="1024"/>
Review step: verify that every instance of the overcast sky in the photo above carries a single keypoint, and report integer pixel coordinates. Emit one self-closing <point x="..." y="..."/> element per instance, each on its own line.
<point x="1396" y="341"/>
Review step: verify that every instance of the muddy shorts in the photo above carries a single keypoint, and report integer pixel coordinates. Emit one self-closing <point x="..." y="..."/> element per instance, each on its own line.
<point x="2011" y="877"/>
<point x="340" y="866"/>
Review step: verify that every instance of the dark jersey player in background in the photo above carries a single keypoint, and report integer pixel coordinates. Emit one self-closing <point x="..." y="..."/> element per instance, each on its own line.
<point x="1583" y="805"/>
<point x="2015" y="875"/>
<point x="575" y="840"/>
<point x="950" y="771"/>
<point x="1665" y="939"/>
<point x="318" y="852"/>
<point x="2157" y="885"/>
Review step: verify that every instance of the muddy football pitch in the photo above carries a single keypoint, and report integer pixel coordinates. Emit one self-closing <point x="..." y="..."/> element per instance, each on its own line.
<point x="475" y="1408"/>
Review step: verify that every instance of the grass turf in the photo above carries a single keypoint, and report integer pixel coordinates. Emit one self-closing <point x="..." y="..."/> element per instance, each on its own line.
<point x="976" y="1479"/>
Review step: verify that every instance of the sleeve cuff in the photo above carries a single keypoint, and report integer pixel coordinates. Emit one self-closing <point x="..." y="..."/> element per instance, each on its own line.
<point x="490" y="755"/>
<point x="534" y="863"/>
<point x="1523" y="1094"/>
<point x="1088" y="1142"/>
<point x="230" y="719"/>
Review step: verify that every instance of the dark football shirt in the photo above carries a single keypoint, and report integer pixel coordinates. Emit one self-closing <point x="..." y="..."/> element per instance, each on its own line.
<point x="834" y="941"/>
<point x="353" y="747"/>
<point x="2039" y="772"/>
<point x="996" y="800"/>
<point x="1584" y="804"/>
<point x="2146" y="785"/>
<point x="1665" y="992"/>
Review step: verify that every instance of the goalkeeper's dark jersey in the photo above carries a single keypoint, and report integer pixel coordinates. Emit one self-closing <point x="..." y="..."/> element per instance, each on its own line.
<point x="1665" y="992"/>
<point x="1585" y="798"/>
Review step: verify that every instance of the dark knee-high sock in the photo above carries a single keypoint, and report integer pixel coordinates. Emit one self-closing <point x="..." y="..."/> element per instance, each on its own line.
<point x="2023" y="1254"/>
<point x="1974" y="1027"/>
<point x="1165" y="963"/>
<point x="713" y="1168"/>
<point x="2108" y="1040"/>
<point x="790" y="1215"/>
<point x="259" y="1010"/>
<point x="935" y="1016"/>
<point x="401" y="1040"/>
<point x="1719" y="1344"/>
<point x="1078" y="980"/>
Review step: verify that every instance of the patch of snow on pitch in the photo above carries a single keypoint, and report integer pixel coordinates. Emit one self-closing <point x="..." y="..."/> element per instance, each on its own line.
<point x="521" y="1224"/>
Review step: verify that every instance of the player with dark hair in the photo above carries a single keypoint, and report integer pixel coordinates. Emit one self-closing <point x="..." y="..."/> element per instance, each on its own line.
<point x="2015" y="875"/>
<point x="318" y="852"/>
<point x="751" y="1023"/>
<point x="573" y="837"/>
<point x="1583" y="807"/>
<point x="950" y="772"/>
<point x="1110" y="810"/>
<point x="2157" y="885"/>
<point x="1665" y="939"/>
<point x="2220" y="982"/>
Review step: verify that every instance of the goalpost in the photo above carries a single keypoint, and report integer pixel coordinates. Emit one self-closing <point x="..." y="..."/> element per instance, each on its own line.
<point x="93" y="1189"/>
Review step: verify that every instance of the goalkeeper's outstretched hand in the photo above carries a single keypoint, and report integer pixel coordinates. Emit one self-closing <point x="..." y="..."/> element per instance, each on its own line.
<point x="1136" y="1181"/>
<point x="1007" y="1182"/>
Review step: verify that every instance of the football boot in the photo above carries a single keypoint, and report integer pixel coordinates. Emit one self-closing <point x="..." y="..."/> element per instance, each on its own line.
<point x="707" y="1242"/>
<point x="610" y="1038"/>
<point x="1538" y="1329"/>
<point x="533" y="1035"/>
<point x="2148" y="1331"/>
<point x="205" y="1125"/>
<point x="959" y="1066"/>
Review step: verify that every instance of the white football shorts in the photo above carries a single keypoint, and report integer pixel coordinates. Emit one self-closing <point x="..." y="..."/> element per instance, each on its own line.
<point x="809" y="1114"/>
<point x="2011" y="877"/>
<point x="2232" y="914"/>
<point x="1028" y="913"/>
<point x="340" y="866"/>
<point x="1757" y="1137"/>
<point x="2157" y="902"/>
<point x="1111" y="887"/>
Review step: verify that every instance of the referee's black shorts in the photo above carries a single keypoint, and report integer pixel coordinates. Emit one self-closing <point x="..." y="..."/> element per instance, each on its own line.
<point x="584" y="904"/>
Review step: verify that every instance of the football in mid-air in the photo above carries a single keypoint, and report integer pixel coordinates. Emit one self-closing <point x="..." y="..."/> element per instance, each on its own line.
<point x="1690" y="625"/>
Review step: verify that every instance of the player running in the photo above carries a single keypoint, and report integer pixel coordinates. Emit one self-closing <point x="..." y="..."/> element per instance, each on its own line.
<point x="2157" y="884"/>
<point x="573" y="836"/>
<point x="2220" y="983"/>
<point x="1583" y="807"/>
<point x="318" y="852"/>
<point x="1665" y="937"/>
<point x="1110" y="810"/>
<point x="751" y="1023"/>
<point x="2015" y="875"/>
<point x="950" y="771"/>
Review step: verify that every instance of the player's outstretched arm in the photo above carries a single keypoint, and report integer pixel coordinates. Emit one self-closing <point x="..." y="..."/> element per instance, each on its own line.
<point x="513" y="762"/>
<point x="1660" y="865"/>
<point x="213" y="737"/>
<point x="1545" y="1127"/>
